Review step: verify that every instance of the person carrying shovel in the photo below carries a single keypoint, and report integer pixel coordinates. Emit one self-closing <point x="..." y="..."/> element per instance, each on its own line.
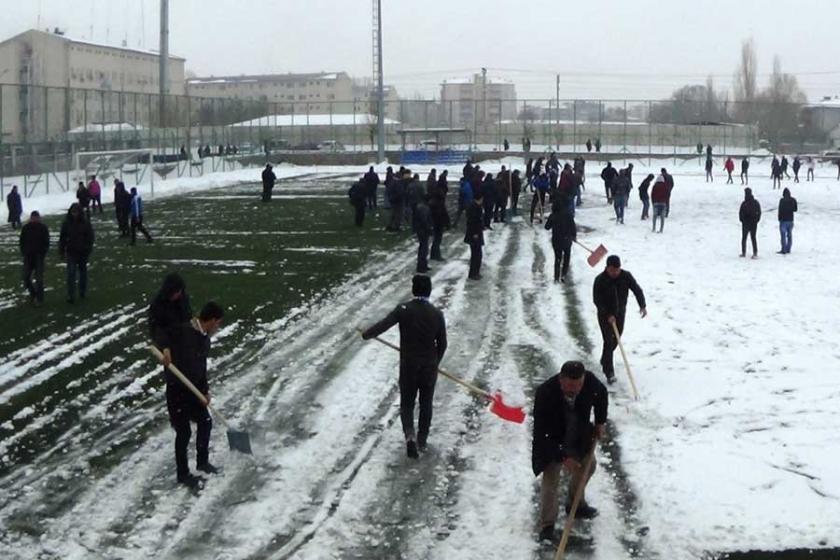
<point x="422" y="345"/>
<point x="564" y="440"/>
<point x="186" y="346"/>
<point x="609" y="292"/>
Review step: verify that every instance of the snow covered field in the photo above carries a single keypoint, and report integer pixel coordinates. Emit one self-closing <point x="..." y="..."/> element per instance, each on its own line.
<point x="733" y="445"/>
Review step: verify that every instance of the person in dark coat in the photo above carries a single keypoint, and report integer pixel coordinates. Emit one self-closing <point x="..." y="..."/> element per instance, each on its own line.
<point x="83" y="196"/>
<point x="749" y="214"/>
<point x="588" y="145"/>
<point x="709" y="176"/>
<point x="169" y="308"/>
<point x="515" y="190"/>
<point x="422" y="346"/>
<point x="745" y="171"/>
<point x="122" y="207"/>
<point x="371" y="181"/>
<point x="474" y="236"/>
<point x="564" y="408"/>
<point x="468" y="170"/>
<point x="34" y="244"/>
<point x="787" y="208"/>
<point x="503" y="181"/>
<point x="358" y="199"/>
<point x="395" y="195"/>
<point x="597" y="144"/>
<point x="268" y="180"/>
<point x="440" y="215"/>
<point x="561" y="223"/>
<point x="776" y="172"/>
<point x="14" y="206"/>
<point x="188" y="344"/>
<point x="797" y="164"/>
<point x="75" y="244"/>
<point x="609" y="293"/>
<point x="421" y="224"/>
<point x="608" y="174"/>
<point x="488" y="193"/>
<point x="784" y="165"/>
<point x="620" y="192"/>
<point x="644" y="196"/>
<point x="669" y="182"/>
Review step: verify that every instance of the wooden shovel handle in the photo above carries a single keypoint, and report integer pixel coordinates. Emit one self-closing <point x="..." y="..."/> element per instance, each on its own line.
<point x="626" y="363"/>
<point x="584" y="246"/>
<point x="451" y="377"/>
<point x="570" y="518"/>
<point x="188" y="384"/>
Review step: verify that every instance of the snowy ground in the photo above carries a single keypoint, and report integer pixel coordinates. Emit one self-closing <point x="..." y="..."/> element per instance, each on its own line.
<point x="732" y="447"/>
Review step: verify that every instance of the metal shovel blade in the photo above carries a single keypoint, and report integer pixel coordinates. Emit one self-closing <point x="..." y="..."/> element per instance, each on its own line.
<point x="595" y="256"/>
<point x="239" y="441"/>
<point x="513" y="414"/>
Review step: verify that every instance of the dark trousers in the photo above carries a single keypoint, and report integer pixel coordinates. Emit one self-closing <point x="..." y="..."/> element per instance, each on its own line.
<point x="371" y="199"/>
<point x="745" y="178"/>
<point x="122" y="223"/>
<point x="422" y="252"/>
<point x="537" y="200"/>
<point x="729" y="180"/>
<point x="14" y="220"/>
<point x="608" y="191"/>
<point x="396" y="217"/>
<point x="266" y="194"/>
<point x="499" y="211"/>
<point x="475" y="259"/>
<point x="96" y="201"/>
<point x="414" y="380"/>
<point x="609" y="341"/>
<point x="514" y="202"/>
<point x="488" y="213"/>
<point x="76" y="266"/>
<point x="360" y="213"/>
<point x="748" y="229"/>
<point x="562" y="255"/>
<point x="137" y="224"/>
<point x="33" y="265"/>
<point x="645" y="208"/>
<point x="180" y="416"/>
<point x="437" y="238"/>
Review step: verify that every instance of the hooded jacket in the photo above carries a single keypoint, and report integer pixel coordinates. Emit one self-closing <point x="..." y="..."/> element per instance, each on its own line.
<point x="76" y="237"/>
<point x="787" y="207"/>
<point x="750" y="211"/>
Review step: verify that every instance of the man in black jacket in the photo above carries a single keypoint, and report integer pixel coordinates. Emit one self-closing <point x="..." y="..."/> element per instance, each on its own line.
<point x="34" y="244"/>
<point x="609" y="292"/>
<point x="188" y="344"/>
<point x="421" y="223"/>
<point x="787" y="208"/>
<point x="608" y="174"/>
<point x="371" y="182"/>
<point x="268" y="179"/>
<point x="749" y="214"/>
<point x="75" y="244"/>
<point x="358" y="199"/>
<point x="422" y="345"/>
<point x="563" y="233"/>
<point x="169" y="308"/>
<point x="474" y="236"/>
<point x="564" y="435"/>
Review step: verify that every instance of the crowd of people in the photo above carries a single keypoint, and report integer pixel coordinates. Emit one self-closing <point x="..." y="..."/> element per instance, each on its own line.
<point x="76" y="237"/>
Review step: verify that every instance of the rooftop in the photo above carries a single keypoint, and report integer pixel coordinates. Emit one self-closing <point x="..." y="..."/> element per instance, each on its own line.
<point x="81" y="41"/>
<point x="266" y="78"/>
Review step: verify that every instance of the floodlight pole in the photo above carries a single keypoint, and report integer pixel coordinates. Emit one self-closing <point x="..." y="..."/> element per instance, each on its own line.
<point x="164" y="59"/>
<point x="380" y="87"/>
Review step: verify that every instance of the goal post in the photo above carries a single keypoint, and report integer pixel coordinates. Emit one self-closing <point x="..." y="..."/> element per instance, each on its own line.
<point x="108" y="163"/>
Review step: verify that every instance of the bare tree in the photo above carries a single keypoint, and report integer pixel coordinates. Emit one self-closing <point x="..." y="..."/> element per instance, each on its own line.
<point x="780" y="105"/>
<point x="746" y="85"/>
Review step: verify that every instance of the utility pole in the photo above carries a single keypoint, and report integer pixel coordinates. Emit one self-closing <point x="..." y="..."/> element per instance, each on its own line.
<point x="557" y="102"/>
<point x="484" y="97"/>
<point x="377" y="73"/>
<point x="163" y="78"/>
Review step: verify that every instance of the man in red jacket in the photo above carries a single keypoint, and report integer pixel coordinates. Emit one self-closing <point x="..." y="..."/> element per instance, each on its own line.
<point x="659" y="197"/>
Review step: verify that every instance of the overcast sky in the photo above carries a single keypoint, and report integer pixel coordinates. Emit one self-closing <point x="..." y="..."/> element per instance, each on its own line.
<point x="603" y="49"/>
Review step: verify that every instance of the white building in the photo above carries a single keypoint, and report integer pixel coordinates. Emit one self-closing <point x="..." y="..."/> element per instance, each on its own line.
<point x="478" y="100"/>
<point x="43" y="65"/>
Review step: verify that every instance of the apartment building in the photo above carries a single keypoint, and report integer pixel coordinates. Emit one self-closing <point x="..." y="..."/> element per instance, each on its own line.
<point x="43" y="65"/>
<point x="478" y="100"/>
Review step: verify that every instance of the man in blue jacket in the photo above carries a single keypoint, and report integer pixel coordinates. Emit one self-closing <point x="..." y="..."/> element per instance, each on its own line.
<point x="135" y="212"/>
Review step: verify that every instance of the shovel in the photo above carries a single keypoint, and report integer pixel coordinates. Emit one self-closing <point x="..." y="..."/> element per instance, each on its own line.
<point x="498" y="407"/>
<point x="626" y="363"/>
<point x="570" y="518"/>
<point x="594" y="256"/>
<point x="238" y="441"/>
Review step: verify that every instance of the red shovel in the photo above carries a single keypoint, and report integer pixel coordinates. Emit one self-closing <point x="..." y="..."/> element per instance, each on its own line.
<point x="594" y="256"/>
<point x="497" y="404"/>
